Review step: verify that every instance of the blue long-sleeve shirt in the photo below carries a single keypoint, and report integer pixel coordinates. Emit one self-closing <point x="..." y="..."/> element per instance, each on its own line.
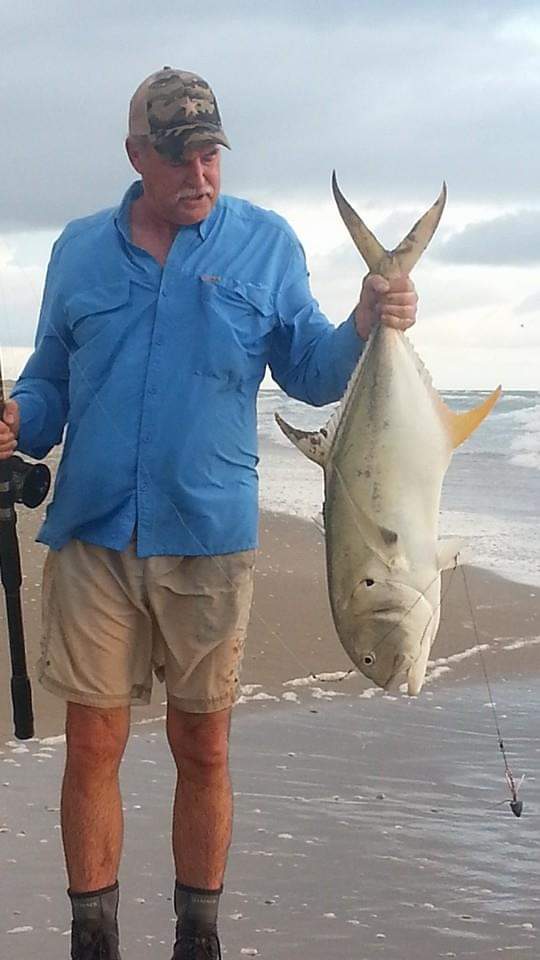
<point x="155" y="371"/>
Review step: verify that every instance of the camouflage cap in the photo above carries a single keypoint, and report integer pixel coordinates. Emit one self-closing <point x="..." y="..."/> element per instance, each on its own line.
<point x="175" y="110"/>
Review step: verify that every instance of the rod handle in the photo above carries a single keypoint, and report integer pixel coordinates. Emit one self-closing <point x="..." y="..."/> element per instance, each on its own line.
<point x="23" y="715"/>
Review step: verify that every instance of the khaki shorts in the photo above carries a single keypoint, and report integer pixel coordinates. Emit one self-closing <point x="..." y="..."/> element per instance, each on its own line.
<point x="111" y="618"/>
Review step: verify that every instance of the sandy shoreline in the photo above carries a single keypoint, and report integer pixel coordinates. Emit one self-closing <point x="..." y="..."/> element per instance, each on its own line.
<point x="291" y="635"/>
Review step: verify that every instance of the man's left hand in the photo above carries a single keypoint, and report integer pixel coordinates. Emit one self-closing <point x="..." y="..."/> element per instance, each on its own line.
<point x="392" y="302"/>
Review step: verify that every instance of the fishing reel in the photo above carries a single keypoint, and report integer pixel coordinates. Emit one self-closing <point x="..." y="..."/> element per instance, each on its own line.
<point x="30" y="482"/>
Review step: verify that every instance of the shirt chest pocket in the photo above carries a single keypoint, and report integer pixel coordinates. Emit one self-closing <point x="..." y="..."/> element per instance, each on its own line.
<point x="98" y="313"/>
<point x="237" y="323"/>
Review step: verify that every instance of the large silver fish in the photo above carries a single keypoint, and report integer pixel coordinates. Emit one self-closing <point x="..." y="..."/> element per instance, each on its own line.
<point x="385" y="452"/>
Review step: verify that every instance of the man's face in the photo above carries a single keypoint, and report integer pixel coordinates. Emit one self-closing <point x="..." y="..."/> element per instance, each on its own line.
<point x="179" y="193"/>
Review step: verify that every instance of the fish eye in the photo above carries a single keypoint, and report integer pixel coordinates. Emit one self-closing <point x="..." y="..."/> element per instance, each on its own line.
<point x="368" y="660"/>
<point x="369" y="583"/>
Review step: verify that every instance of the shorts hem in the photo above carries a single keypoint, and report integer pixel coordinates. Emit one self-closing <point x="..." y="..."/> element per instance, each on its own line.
<point x="210" y="705"/>
<point x="92" y="699"/>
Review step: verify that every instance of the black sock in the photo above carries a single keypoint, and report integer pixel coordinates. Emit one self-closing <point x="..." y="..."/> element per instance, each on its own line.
<point x="197" y="910"/>
<point x="99" y="907"/>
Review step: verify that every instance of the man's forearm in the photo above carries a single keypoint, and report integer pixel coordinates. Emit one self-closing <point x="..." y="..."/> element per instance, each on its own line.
<point x="43" y="411"/>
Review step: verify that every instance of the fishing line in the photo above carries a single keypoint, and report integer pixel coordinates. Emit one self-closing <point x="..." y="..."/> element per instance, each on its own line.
<point x="515" y="804"/>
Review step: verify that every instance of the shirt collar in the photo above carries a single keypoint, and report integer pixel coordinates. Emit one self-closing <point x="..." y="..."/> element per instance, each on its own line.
<point x="205" y="226"/>
<point x="122" y="222"/>
<point x="121" y="217"/>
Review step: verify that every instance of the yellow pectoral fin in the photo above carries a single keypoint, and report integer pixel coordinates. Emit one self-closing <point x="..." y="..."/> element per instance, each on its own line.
<point x="461" y="425"/>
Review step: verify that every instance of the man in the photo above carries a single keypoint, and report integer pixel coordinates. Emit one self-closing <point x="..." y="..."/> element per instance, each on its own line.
<point x="159" y="319"/>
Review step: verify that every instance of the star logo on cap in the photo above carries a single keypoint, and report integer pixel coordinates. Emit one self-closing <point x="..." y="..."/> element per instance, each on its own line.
<point x="190" y="108"/>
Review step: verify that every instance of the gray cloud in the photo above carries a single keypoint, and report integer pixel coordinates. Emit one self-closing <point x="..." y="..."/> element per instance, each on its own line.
<point x="510" y="239"/>
<point x="59" y="18"/>
<point x="396" y="96"/>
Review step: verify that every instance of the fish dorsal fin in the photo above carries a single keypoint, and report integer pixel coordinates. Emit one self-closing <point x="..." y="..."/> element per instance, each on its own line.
<point x="390" y="263"/>
<point x="316" y="445"/>
<point x="461" y="425"/>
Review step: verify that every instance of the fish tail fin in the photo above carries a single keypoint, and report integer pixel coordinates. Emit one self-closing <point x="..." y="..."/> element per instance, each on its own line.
<point x="401" y="260"/>
<point x="411" y="248"/>
<point x="364" y="240"/>
<point x="461" y="425"/>
<point x="314" y="445"/>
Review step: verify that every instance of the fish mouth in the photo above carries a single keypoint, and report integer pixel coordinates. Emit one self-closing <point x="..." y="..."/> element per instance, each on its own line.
<point x="406" y="667"/>
<point x="413" y="672"/>
<point x="406" y="673"/>
<point x="400" y="669"/>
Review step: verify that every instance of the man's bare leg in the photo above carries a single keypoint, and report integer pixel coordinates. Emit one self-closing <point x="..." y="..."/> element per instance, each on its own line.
<point x="92" y="821"/>
<point x="202" y="826"/>
<point x="203" y="806"/>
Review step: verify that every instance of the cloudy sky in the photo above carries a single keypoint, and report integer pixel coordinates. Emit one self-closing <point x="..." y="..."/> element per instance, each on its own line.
<point x="396" y="96"/>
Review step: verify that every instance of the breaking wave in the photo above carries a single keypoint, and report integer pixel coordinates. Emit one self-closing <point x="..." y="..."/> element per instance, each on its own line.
<point x="525" y="442"/>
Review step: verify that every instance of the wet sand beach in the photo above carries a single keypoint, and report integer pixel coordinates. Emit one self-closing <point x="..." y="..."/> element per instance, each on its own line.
<point x="364" y="829"/>
<point x="366" y="825"/>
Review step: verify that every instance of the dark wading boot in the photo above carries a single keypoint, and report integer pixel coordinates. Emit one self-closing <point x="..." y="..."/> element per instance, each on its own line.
<point x="193" y="946"/>
<point x="94" y="930"/>
<point x="90" y="942"/>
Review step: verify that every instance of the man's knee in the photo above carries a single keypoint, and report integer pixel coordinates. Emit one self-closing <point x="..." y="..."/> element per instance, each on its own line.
<point x="96" y="738"/>
<point x="199" y="743"/>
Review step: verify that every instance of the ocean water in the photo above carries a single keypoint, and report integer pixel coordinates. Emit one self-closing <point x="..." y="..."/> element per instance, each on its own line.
<point x="491" y="493"/>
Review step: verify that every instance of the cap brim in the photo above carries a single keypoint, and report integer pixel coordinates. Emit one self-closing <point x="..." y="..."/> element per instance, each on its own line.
<point x="175" y="143"/>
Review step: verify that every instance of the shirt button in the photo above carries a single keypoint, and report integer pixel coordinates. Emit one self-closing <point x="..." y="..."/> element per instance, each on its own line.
<point x="152" y="391"/>
<point x="163" y="293"/>
<point x="158" y="341"/>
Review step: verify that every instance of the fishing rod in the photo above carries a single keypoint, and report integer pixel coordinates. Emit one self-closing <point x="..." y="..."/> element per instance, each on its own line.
<point x="26" y="483"/>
